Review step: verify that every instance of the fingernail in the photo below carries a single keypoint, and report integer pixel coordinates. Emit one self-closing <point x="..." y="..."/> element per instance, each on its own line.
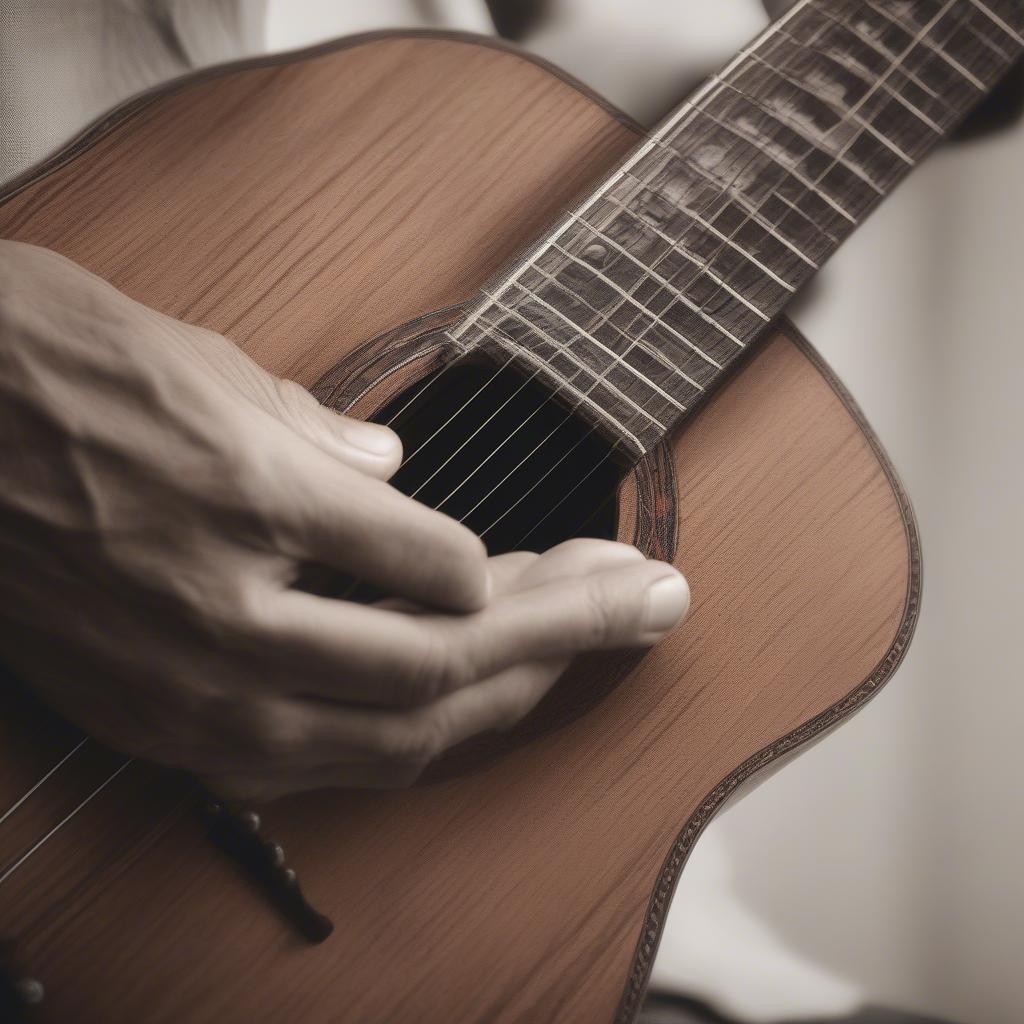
<point x="370" y="437"/>
<point x="668" y="600"/>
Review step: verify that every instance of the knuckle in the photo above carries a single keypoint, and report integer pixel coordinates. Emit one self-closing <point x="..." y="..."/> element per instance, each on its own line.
<point x="266" y="727"/>
<point x="440" y="667"/>
<point x="291" y="394"/>
<point x="457" y="563"/>
<point x="415" y="743"/>
<point x="604" y="617"/>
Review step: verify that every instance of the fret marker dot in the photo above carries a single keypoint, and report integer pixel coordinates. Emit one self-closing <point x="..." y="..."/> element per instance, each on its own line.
<point x="595" y="253"/>
<point x="31" y="991"/>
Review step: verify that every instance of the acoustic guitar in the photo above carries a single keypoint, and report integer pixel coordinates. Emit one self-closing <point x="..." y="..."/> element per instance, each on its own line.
<point x="395" y="220"/>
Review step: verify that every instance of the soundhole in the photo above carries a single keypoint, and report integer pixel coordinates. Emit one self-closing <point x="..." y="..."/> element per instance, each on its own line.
<point x="495" y="449"/>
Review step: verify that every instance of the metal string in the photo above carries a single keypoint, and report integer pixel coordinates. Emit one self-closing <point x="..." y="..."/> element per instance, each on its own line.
<point x="894" y="64"/>
<point x="686" y="110"/>
<point x="74" y="750"/>
<point x="60" y="824"/>
<point x="727" y="197"/>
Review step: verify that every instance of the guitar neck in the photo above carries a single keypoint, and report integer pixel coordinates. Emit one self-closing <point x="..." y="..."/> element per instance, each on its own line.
<point x="637" y="303"/>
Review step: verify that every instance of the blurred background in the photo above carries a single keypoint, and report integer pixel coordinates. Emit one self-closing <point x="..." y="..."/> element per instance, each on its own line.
<point x="883" y="866"/>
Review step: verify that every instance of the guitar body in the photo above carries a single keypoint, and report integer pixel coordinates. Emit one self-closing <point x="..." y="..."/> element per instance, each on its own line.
<point x="326" y="211"/>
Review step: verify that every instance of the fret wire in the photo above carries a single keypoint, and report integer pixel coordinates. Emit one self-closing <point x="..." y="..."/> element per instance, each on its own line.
<point x="686" y="108"/>
<point x="583" y="366"/>
<point x="727" y="196"/>
<point x="853" y="109"/>
<point x="674" y="249"/>
<point x="985" y="41"/>
<point x="852" y="167"/>
<point x="786" y="122"/>
<point x="893" y="64"/>
<point x="893" y="92"/>
<point x="633" y="342"/>
<point x="934" y="47"/>
<point x="796" y="209"/>
<point x="873" y="45"/>
<point x="690" y="110"/>
<point x="677" y="295"/>
<point x="702" y="269"/>
<point x="751" y="211"/>
<point x="522" y="462"/>
<point x="638" y="339"/>
<point x="643" y="309"/>
<point x="1003" y="55"/>
<point x="806" y="182"/>
<point x="1014" y="35"/>
<point x="725" y="239"/>
<point x="881" y="81"/>
<point x="676" y="243"/>
<point x="543" y="365"/>
<point x="897" y="63"/>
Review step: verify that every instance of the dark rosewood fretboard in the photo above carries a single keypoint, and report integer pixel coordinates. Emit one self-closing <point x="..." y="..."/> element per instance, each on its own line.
<point x="639" y="300"/>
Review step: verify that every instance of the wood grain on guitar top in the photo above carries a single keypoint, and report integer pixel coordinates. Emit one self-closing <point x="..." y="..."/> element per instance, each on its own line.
<point x="303" y="207"/>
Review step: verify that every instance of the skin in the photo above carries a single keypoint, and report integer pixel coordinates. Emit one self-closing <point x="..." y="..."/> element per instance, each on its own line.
<point x="161" y="492"/>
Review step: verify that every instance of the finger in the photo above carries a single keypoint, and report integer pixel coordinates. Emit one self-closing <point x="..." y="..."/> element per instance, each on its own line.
<point x="576" y="557"/>
<point x="327" y="512"/>
<point x="368" y="447"/>
<point x="374" y="655"/>
<point x="507" y="570"/>
<point x="518" y="570"/>
<point x="310" y="746"/>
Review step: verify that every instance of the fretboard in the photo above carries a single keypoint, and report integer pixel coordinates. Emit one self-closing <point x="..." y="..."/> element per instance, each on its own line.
<point x="634" y="306"/>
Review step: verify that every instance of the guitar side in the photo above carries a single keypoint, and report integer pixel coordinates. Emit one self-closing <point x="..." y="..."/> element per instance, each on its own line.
<point x="306" y="205"/>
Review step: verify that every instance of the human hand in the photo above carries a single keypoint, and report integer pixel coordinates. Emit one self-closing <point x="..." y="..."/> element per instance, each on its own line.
<point x="160" y="494"/>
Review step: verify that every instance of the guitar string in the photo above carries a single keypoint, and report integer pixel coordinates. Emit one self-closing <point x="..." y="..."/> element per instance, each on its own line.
<point x="892" y="67"/>
<point x="676" y="120"/>
<point x="894" y="64"/>
<point x="60" y="824"/>
<point x="722" y="197"/>
<point x="67" y="757"/>
<point x="688" y="108"/>
<point x="845" y="117"/>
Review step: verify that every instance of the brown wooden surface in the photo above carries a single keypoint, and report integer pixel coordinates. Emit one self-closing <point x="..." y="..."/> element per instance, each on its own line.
<point x="303" y="210"/>
<point x="641" y="298"/>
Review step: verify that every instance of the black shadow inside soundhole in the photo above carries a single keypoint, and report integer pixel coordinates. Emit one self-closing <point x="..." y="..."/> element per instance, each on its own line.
<point x="492" y="447"/>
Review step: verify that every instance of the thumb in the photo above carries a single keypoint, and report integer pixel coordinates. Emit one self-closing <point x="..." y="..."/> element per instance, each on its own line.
<point x="368" y="447"/>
